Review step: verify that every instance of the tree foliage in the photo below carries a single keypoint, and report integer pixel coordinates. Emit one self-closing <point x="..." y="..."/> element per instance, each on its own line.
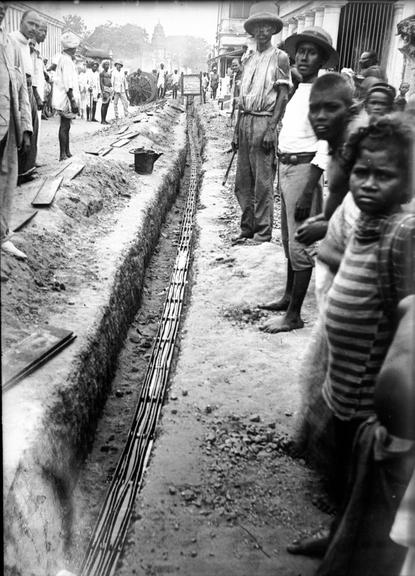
<point x="188" y="52"/>
<point x="124" y="41"/>
<point x="75" y="24"/>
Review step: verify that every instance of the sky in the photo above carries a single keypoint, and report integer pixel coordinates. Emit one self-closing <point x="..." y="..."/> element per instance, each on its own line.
<point x="193" y="18"/>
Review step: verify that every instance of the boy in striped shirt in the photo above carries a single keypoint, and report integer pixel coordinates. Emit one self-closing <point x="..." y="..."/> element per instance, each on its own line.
<point x="376" y="272"/>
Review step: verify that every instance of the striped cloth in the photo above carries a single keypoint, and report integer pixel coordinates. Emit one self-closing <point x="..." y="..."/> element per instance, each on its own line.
<point x="359" y="328"/>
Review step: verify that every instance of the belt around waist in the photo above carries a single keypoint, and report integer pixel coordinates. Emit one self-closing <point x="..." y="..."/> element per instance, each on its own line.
<point x="256" y="113"/>
<point x="300" y="158"/>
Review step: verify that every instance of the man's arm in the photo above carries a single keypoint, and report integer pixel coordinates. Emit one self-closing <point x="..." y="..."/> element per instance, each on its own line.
<point x="395" y="386"/>
<point x="278" y="113"/>
<point x="281" y="85"/>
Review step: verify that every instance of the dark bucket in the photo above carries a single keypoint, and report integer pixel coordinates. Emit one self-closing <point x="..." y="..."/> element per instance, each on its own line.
<point x="144" y="160"/>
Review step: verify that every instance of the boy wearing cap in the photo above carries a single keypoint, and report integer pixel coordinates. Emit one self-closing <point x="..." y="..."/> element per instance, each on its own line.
<point x="120" y="87"/>
<point x="379" y="99"/>
<point x="263" y="94"/>
<point x="302" y="160"/>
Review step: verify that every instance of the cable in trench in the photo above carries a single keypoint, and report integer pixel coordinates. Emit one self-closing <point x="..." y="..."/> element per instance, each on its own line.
<point x="110" y="531"/>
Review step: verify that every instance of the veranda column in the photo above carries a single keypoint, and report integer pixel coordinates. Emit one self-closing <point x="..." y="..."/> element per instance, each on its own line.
<point x="292" y="26"/>
<point x="331" y="19"/>
<point x="309" y="19"/>
<point x="301" y="22"/>
<point x="318" y="16"/>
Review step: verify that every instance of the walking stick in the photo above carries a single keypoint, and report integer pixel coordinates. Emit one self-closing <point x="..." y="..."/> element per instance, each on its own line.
<point x="229" y="168"/>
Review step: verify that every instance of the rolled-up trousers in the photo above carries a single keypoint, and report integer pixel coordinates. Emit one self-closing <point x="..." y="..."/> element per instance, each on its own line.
<point x="254" y="180"/>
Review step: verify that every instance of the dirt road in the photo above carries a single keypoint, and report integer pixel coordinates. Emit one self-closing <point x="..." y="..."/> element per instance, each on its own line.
<point x="221" y="496"/>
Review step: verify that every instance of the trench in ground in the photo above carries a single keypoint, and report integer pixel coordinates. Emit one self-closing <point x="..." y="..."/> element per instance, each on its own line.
<point x="113" y="427"/>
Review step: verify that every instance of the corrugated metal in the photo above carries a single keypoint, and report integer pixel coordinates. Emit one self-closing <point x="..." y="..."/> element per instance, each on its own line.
<point x="52" y="44"/>
<point x="364" y="26"/>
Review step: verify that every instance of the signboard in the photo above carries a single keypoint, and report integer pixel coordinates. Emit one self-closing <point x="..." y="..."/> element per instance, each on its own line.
<point x="191" y="84"/>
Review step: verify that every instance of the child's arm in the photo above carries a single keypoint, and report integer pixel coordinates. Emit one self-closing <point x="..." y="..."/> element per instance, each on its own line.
<point x="395" y="387"/>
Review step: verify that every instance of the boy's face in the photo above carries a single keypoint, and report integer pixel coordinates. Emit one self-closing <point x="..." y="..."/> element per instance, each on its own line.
<point x="308" y="60"/>
<point x="328" y="114"/>
<point x="378" y="104"/>
<point x="378" y="181"/>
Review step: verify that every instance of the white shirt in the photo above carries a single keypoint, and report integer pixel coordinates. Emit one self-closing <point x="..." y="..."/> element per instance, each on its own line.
<point x="296" y="134"/>
<point x="23" y="44"/>
<point x="161" y="76"/>
<point x="93" y="82"/>
<point x="118" y="80"/>
<point x="175" y="78"/>
<point x="83" y="81"/>
<point x="66" y="77"/>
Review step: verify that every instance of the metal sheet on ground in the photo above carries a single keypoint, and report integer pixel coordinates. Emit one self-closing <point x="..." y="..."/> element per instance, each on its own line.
<point x="47" y="191"/>
<point x="32" y="352"/>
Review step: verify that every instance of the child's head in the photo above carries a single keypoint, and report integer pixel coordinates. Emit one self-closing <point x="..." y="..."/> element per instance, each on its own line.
<point x="380" y="159"/>
<point x="379" y="99"/>
<point x="331" y="98"/>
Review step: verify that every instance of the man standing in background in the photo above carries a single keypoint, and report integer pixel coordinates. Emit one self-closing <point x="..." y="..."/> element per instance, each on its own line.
<point x="263" y="95"/>
<point x="15" y="128"/>
<point x="175" y="83"/>
<point x="106" y="90"/>
<point x="120" y="87"/>
<point x="29" y="26"/>
<point x="93" y="92"/>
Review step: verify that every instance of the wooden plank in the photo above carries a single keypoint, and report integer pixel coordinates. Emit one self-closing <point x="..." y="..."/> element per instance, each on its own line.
<point x="32" y="352"/>
<point x="62" y="168"/>
<point x="105" y="151"/>
<point x="18" y="221"/>
<point x="47" y="192"/>
<point x="120" y="143"/>
<point x="131" y="135"/>
<point x="124" y="129"/>
<point x="72" y="171"/>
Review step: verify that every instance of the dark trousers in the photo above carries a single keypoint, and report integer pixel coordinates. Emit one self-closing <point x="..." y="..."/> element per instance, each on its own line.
<point x="27" y="160"/>
<point x="254" y="179"/>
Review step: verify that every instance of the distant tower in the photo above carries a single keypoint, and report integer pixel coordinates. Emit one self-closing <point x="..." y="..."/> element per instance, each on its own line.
<point x="158" y="43"/>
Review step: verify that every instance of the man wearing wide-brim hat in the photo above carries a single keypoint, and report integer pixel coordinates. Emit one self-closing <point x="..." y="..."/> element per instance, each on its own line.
<point x="120" y="87"/>
<point x="263" y="94"/>
<point x="302" y="159"/>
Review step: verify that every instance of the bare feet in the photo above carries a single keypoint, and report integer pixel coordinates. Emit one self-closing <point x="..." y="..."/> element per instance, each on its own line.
<point x="9" y="248"/>
<point x="282" y="324"/>
<point x="276" y="305"/>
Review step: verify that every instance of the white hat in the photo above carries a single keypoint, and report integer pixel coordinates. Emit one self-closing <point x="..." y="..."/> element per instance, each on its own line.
<point x="69" y="40"/>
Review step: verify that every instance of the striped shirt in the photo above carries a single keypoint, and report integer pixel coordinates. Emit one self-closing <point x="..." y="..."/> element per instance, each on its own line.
<point x="359" y="328"/>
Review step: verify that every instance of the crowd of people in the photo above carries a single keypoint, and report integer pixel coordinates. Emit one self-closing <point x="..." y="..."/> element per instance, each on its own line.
<point x="310" y="124"/>
<point x="33" y="89"/>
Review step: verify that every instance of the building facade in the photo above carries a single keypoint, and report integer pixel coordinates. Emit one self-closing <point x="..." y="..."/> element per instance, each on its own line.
<point x="354" y="25"/>
<point x="52" y="44"/>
